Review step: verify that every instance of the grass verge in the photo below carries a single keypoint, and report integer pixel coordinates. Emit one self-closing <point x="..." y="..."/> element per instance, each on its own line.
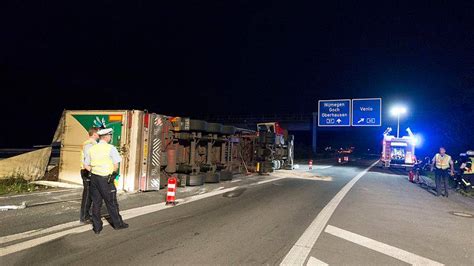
<point x="17" y="185"/>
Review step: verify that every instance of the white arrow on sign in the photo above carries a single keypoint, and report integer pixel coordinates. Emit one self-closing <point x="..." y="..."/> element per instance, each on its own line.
<point x="361" y="120"/>
<point x="338" y="120"/>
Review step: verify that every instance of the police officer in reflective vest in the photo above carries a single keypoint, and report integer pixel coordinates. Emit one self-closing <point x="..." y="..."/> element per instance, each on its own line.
<point x="442" y="163"/>
<point x="86" y="197"/>
<point x="102" y="161"/>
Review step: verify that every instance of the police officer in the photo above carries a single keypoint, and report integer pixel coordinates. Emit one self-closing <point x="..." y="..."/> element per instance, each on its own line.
<point x="102" y="161"/>
<point x="86" y="198"/>
<point x="442" y="162"/>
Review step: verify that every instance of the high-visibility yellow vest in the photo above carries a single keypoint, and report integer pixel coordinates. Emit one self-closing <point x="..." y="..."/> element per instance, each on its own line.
<point x="84" y="144"/>
<point x="442" y="162"/>
<point x="101" y="161"/>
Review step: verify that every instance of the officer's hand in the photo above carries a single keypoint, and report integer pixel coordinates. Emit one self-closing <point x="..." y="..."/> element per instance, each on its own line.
<point x="452" y="173"/>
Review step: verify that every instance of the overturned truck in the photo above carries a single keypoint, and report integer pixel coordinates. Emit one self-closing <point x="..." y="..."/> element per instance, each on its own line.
<point x="155" y="146"/>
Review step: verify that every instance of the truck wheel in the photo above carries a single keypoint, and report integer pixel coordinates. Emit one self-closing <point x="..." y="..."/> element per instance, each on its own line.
<point x="197" y="125"/>
<point x="195" y="180"/>
<point x="214" y="128"/>
<point x="274" y="165"/>
<point x="228" y="130"/>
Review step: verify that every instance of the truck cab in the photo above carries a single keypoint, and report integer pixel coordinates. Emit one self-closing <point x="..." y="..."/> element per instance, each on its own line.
<point x="274" y="147"/>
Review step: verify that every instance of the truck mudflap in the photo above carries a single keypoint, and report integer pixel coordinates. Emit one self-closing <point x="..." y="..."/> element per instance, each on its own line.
<point x="151" y="177"/>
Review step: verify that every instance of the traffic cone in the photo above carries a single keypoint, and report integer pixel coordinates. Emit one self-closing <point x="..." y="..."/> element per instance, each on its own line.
<point x="310" y="164"/>
<point x="171" y="193"/>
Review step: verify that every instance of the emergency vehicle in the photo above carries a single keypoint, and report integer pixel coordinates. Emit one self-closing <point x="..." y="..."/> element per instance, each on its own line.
<point x="465" y="174"/>
<point x="398" y="152"/>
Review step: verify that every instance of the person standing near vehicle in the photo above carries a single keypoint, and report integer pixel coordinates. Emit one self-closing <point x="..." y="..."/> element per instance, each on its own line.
<point x="86" y="201"/>
<point x="442" y="163"/>
<point x="102" y="160"/>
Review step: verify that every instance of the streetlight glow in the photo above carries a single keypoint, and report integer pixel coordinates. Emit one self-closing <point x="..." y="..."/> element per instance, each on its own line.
<point x="397" y="111"/>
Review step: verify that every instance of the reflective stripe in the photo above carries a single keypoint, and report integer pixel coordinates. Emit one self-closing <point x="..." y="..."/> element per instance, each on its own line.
<point x="466" y="183"/>
<point x="442" y="162"/>
<point x="171" y="194"/>
<point x="101" y="161"/>
<point x="171" y="185"/>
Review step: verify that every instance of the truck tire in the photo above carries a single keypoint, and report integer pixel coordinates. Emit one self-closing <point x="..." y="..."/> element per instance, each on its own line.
<point x="212" y="177"/>
<point x="197" y="125"/>
<point x="195" y="180"/>
<point x="226" y="175"/>
<point x="276" y="164"/>
<point x="228" y="130"/>
<point x="214" y="128"/>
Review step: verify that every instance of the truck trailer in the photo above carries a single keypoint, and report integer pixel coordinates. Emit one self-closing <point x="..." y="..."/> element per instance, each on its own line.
<point x="155" y="146"/>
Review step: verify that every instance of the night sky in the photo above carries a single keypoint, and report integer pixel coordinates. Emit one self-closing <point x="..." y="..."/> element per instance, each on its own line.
<point x="194" y="58"/>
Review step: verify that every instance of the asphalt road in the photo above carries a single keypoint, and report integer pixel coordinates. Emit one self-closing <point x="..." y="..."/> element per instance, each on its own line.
<point x="259" y="224"/>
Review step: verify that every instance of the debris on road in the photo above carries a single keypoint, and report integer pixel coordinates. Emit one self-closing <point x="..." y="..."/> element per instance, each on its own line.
<point x="13" y="207"/>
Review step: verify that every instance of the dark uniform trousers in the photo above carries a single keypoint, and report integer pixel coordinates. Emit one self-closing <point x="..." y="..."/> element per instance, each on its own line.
<point x="101" y="190"/>
<point x="86" y="197"/>
<point x="441" y="177"/>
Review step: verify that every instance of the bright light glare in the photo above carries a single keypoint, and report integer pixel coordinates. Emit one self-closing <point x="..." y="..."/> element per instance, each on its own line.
<point x="417" y="140"/>
<point x="398" y="110"/>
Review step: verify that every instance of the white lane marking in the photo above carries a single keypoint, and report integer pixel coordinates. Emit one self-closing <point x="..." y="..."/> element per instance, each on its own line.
<point x="6" y="239"/>
<point x="321" y="167"/>
<point x="127" y="214"/>
<point x="388" y="250"/>
<point x="9" y="238"/>
<point x="236" y="180"/>
<point x="316" y="178"/>
<point x="312" y="261"/>
<point x="269" y="180"/>
<point x="300" y="251"/>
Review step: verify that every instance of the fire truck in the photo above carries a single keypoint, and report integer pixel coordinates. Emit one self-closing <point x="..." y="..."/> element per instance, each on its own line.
<point x="398" y="151"/>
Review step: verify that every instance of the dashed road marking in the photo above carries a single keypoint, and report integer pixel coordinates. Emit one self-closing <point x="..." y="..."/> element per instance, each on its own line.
<point x="312" y="261"/>
<point x="300" y="251"/>
<point x="388" y="250"/>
